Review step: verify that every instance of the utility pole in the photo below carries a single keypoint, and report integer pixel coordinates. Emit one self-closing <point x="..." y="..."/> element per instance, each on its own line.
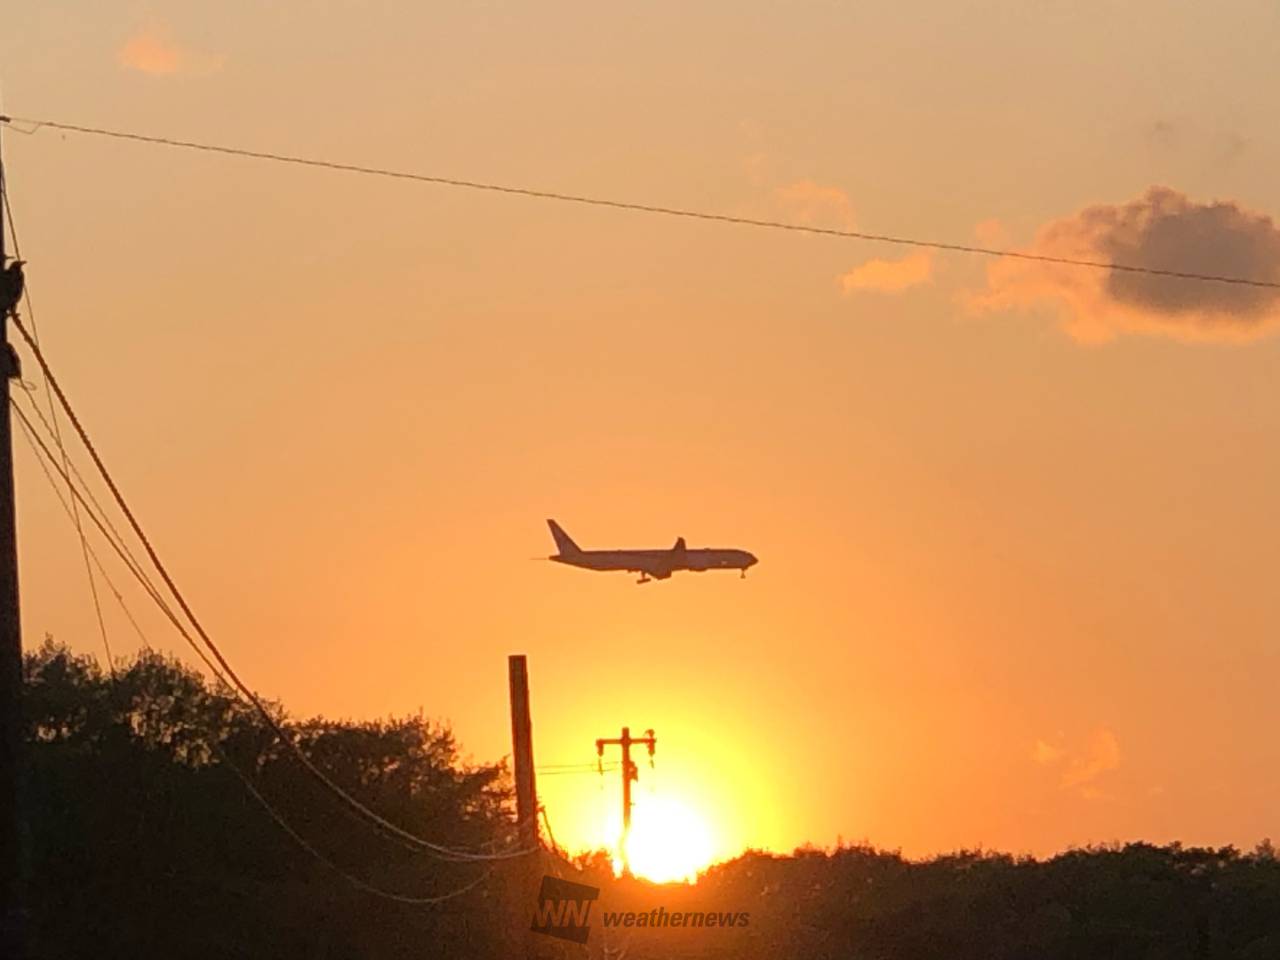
<point x="11" y="724"/>
<point x="522" y="750"/>
<point x="629" y="775"/>
<point x="526" y="791"/>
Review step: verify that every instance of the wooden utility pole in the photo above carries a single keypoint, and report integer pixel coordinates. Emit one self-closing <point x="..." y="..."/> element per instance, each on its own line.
<point x="629" y="775"/>
<point x="11" y="765"/>
<point x="526" y="792"/>
<point x="522" y="750"/>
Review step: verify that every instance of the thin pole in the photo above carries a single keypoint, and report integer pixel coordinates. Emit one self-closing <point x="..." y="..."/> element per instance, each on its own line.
<point x="522" y="749"/>
<point x="526" y="787"/>
<point x="630" y="773"/>
<point x="11" y="859"/>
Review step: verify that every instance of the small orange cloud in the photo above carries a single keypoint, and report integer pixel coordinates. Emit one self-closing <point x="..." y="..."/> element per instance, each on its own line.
<point x="153" y="52"/>
<point x="1081" y="769"/>
<point x="1101" y="756"/>
<point x="1046" y="753"/>
<point x="889" y="276"/>
<point x="813" y="204"/>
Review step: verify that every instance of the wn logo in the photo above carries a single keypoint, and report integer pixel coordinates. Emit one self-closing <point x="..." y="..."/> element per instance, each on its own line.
<point x="564" y="909"/>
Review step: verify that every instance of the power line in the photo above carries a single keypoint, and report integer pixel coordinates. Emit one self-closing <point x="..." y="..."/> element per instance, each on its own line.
<point x="582" y="764"/>
<point x="31" y="433"/>
<point x="57" y="436"/>
<point x="101" y="518"/>
<point x="637" y="207"/>
<point x="555" y="847"/>
<point x="43" y="454"/>
<point x="440" y="851"/>
<point x="27" y="434"/>
<point x="351" y="878"/>
<point x="106" y="527"/>
<point x="95" y="511"/>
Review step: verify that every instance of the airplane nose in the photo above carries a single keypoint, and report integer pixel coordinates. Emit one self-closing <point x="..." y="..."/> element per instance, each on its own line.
<point x="752" y="560"/>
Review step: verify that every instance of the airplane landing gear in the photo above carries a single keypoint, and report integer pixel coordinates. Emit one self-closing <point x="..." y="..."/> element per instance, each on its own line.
<point x="743" y="575"/>
<point x="643" y="579"/>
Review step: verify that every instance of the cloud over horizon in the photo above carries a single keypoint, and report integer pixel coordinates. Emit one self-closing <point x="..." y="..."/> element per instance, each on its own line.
<point x="1080" y="769"/>
<point x="812" y="204"/>
<point x="1102" y="755"/>
<point x="1164" y="230"/>
<point x="889" y="276"/>
<point x="152" y="51"/>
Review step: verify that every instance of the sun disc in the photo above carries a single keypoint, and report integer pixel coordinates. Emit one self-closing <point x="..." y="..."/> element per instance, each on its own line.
<point x="669" y="841"/>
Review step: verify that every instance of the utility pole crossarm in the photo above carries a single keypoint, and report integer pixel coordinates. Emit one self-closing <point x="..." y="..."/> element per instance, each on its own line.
<point x="630" y="774"/>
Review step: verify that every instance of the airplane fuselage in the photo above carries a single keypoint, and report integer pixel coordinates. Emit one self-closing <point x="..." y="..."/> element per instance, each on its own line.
<point x="658" y="564"/>
<point x="653" y="561"/>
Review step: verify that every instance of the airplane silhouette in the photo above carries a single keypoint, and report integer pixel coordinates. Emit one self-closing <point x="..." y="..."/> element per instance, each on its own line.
<point x="650" y="564"/>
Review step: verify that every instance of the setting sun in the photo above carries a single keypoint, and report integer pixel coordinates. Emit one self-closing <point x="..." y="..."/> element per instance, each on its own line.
<point x="669" y="841"/>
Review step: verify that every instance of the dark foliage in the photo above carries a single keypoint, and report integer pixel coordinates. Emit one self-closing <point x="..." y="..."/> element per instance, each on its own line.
<point x="1136" y="902"/>
<point x="145" y="845"/>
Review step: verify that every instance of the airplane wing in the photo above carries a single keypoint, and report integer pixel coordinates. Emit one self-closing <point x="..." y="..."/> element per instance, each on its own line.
<point x="656" y="565"/>
<point x="663" y="562"/>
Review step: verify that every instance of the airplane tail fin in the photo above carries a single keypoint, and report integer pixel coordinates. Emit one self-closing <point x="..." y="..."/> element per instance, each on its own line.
<point x="564" y="542"/>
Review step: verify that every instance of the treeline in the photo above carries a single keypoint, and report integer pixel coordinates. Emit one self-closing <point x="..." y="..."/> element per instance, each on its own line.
<point x="1133" y="902"/>
<point x="143" y="843"/>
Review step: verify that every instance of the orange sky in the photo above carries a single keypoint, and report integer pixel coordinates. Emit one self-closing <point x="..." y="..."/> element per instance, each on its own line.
<point x="1017" y="562"/>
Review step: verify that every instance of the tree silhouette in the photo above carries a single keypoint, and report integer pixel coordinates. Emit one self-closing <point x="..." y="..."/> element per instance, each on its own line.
<point x="145" y="844"/>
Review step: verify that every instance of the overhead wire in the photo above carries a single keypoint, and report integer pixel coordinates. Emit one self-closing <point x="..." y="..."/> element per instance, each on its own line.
<point x="31" y="433"/>
<point x="662" y="210"/>
<point x="351" y="878"/>
<point x="25" y="425"/>
<point x="551" y="836"/>
<point x="57" y="434"/>
<point x="93" y="509"/>
<point x="107" y="527"/>
<point x="72" y="504"/>
<point x="45" y="459"/>
<point x="385" y="826"/>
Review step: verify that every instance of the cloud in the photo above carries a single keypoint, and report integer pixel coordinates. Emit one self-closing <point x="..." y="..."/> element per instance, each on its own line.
<point x="1163" y="229"/>
<point x="1102" y="755"/>
<point x="813" y="204"/>
<point x="889" y="276"/>
<point x="153" y="52"/>
<point x="1046" y="753"/>
<point x="1079" y="770"/>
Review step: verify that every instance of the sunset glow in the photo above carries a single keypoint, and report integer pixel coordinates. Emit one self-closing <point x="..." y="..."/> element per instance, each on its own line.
<point x="1011" y="518"/>
<point x="669" y="841"/>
